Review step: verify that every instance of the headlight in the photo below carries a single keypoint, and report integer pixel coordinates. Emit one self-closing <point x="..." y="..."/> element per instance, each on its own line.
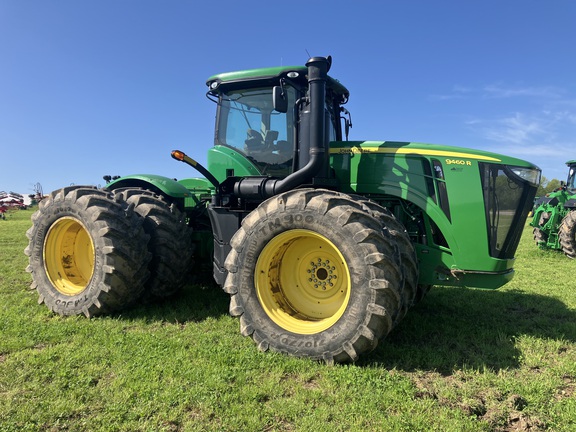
<point x="531" y="175"/>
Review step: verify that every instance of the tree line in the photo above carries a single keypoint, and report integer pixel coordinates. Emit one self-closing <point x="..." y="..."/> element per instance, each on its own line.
<point x="547" y="186"/>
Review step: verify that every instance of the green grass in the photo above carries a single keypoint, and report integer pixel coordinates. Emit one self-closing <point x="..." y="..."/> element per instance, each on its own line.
<point x="462" y="360"/>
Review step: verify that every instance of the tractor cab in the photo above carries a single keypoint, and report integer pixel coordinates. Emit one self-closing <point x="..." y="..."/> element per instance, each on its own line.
<point x="259" y="118"/>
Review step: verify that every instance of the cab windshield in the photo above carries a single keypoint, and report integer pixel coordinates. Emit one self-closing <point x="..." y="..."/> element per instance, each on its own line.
<point x="571" y="182"/>
<point x="249" y="124"/>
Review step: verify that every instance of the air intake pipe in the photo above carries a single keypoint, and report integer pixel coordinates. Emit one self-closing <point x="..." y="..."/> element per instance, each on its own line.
<point x="314" y="139"/>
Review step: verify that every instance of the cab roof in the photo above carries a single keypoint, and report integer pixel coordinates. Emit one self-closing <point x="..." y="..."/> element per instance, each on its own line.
<point x="269" y="77"/>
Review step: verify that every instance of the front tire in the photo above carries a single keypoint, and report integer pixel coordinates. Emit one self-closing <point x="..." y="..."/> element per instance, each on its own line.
<point x="310" y="274"/>
<point x="87" y="252"/>
<point x="567" y="234"/>
<point x="409" y="261"/>
<point x="541" y="237"/>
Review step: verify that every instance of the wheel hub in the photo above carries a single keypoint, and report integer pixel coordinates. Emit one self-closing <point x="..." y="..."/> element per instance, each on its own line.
<point x="322" y="274"/>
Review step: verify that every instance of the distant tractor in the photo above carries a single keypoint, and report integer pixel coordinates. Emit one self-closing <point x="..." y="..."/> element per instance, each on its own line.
<point x="323" y="244"/>
<point x="554" y="217"/>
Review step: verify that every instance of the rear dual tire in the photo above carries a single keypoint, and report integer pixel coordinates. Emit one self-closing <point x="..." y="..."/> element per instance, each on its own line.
<point x="87" y="252"/>
<point x="93" y="252"/>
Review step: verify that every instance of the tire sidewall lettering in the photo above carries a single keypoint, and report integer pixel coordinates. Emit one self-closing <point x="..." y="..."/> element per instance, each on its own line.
<point x="73" y="302"/>
<point x="298" y="218"/>
<point x="290" y="341"/>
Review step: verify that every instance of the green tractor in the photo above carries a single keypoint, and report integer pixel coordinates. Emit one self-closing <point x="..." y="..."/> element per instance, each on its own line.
<point x="554" y="217"/>
<point x="323" y="244"/>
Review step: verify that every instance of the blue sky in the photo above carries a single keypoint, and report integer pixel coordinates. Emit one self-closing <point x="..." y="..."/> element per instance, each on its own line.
<point x="97" y="87"/>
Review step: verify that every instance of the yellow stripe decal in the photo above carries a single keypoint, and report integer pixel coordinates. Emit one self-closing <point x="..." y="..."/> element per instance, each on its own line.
<point x="403" y="150"/>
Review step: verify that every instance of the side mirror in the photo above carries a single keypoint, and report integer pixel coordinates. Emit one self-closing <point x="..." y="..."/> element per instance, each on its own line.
<point x="279" y="100"/>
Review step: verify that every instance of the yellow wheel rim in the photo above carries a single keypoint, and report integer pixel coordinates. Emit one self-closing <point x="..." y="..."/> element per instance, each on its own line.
<point x="302" y="281"/>
<point x="69" y="256"/>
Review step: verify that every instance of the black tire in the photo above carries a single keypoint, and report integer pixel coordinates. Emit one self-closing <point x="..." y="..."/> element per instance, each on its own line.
<point x="541" y="237"/>
<point x="567" y="234"/>
<point x="170" y="241"/>
<point x="409" y="261"/>
<point x="310" y="274"/>
<point x="87" y="252"/>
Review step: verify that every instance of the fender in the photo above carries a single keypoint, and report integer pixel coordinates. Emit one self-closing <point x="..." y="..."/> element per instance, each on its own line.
<point x="160" y="184"/>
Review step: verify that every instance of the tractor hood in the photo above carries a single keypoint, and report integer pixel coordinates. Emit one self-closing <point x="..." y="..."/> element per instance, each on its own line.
<point x="452" y="155"/>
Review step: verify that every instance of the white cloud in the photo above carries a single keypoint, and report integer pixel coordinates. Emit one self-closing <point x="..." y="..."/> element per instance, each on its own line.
<point x="534" y="137"/>
<point x="536" y="123"/>
<point x="457" y="92"/>
<point x="532" y="151"/>
<point x="516" y="129"/>
<point x="499" y="91"/>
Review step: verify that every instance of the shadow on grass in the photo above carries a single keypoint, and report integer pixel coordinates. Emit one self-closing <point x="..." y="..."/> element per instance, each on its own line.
<point x="194" y="303"/>
<point x="450" y="329"/>
<point x="454" y="328"/>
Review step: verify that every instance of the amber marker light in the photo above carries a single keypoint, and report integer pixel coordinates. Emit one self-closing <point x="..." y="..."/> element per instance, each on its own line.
<point x="178" y="155"/>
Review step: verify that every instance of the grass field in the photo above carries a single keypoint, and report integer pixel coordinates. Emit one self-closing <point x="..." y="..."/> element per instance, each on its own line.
<point x="462" y="360"/>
